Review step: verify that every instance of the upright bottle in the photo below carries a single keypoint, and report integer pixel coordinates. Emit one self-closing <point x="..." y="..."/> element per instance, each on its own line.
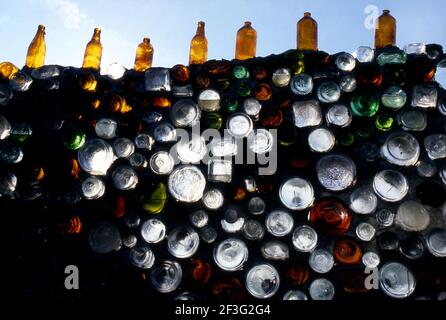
<point x="307" y="33"/>
<point x="198" y="46"/>
<point x="93" y="52"/>
<point x="144" y="56"/>
<point x="35" y="58"/>
<point x="245" y="47"/>
<point x="385" y="30"/>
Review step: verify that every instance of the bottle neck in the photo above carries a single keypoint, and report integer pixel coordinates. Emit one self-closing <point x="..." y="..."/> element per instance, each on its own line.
<point x="96" y="35"/>
<point x="200" y="29"/>
<point x="40" y="31"/>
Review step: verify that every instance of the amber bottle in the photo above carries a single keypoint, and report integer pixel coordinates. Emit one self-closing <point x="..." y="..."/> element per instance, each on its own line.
<point x="228" y="289"/>
<point x="347" y="251"/>
<point x="385" y="30"/>
<point x="297" y="275"/>
<point x="245" y="47"/>
<point x="263" y="92"/>
<point x="330" y="216"/>
<point x="180" y="73"/>
<point x="7" y="70"/>
<point x="199" y="46"/>
<point x="93" y="52"/>
<point x="144" y="56"/>
<point x="307" y="33"/>
<point x="200" y="271"/>
<point x="353" y="280"/>
<point x="35" y="58"/>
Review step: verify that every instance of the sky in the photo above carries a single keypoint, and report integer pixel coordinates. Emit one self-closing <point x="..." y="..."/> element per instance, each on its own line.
<point x="343" y="26"/>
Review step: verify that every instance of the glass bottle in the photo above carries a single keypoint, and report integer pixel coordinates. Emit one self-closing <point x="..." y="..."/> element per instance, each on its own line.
<point x="144" y="56"/>
<point x="246" y="42"/>
<point x="35" y="58"/>
<point x="307" y="33"/>
<point x="385" y="30"/>
<point x="347" y="251"/>
<point x="199" y="46"/>
<point x="330" y="216"/>
<point x="180" y="73"/>
<point x="93" y="52"/>
<point x="7" y="70"/>
<point x="200" y="271"/>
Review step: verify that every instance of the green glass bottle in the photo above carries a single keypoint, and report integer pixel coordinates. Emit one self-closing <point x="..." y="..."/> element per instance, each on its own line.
<point x="384" y="122"/>
<point x="240" y="72"/>
<point x="231" y="104"/>
<point x="154" y="202"/>
<point x="213" y="120"/>
<point x="366" y="130"/>
<point x="74" y="138"/>
<point x="294" y="60"/>
<point x="347" y="139"/>
<point x="222" y="84"/>
<point x="364" y="105"/>
<point x="394" y="56"/>
<point x="243" y="88"/>
<point x="394" y="98"/>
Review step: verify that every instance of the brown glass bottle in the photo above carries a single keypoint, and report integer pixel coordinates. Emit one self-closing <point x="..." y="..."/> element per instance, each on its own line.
<point x="35" y="58"/>
<point x="347" y="251"/>
<point x="263" y="92"/>
<point x="353" y="280"/>
<point x="271" y="117"/>
<point x="228" y="289"/>
<point x="385" y="30"/>
<point x="246" y="43"/>
<point x="70" y="226"/>
<point x="307" y="33"/>
<point x="199" y="46"/>
<point x="329" y="215"/>
<point x="200" y="271"/>
<point x="88" y="82"/>
<point x="369" y="76"/>
<point x="180" y="73"/>
<point x="93" y="52"/>
<point x="144" y="56"/>
<point x="297" y="275"/>
<point x="421" y="69"/>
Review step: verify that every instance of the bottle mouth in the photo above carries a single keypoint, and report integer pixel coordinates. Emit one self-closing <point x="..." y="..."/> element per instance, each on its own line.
<point x="248" y="23"/>
<point x="147" y="40"/>
<point x="41" y="27"/>
<point x="97" y="30"/>
<point x="386" y="11"/>
<point x="201" y="23"/>
<point x="307" y="14"/>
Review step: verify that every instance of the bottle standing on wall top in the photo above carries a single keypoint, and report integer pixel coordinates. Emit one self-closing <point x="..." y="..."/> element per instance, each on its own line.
<point x="35" y="58"/>
<point x="246" y="42"/>
<point x="144" y="56"/>
<point x="385" y="30"/>
<point x="93" y="52"/>
<point x="307" y="33"/>
<point x="199" y="46"/>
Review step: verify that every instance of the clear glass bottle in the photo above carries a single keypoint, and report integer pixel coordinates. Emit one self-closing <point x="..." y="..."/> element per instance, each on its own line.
<point x="199" y="46"/>
<point x="144" y="56"/>
<point x="35" y="58"/>
<point x="307" y="33"/>
<point x="385" y="30"/>
<point x="93" y="52"/>
<point x="246" y="42"/>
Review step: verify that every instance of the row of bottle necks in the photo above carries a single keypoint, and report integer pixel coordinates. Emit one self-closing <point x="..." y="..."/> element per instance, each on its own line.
<point x="246" y="43"/>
